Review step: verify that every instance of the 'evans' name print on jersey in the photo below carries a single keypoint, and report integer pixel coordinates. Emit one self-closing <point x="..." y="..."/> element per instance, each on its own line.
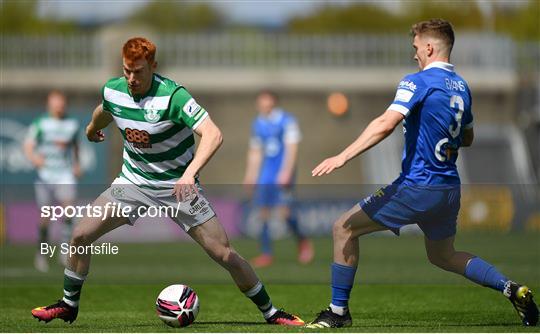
<point x="455" y="85"/>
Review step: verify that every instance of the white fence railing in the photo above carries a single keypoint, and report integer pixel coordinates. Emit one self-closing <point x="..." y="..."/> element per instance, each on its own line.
<point x="265" y="50"/>
<point x="81" y="50"/>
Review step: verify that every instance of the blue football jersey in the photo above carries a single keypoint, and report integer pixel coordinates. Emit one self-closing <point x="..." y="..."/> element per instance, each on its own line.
<point x="271" y="133"/>
<point x="436" y="103"/>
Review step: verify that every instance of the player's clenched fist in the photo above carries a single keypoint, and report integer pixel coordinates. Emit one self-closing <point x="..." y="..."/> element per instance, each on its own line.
<point x="328" y="165"/>
<point x="95" y="136"/>
<point x="185" y="188"/>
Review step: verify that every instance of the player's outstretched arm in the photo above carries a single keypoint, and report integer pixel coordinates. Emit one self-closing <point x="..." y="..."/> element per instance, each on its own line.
<point x="100" y="120"/>
<point x="211" y="140"/>
<point x="375" y="132"/>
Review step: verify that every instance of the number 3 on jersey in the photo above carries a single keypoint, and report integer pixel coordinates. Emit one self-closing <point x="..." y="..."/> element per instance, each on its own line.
<point x="456" y="102"/>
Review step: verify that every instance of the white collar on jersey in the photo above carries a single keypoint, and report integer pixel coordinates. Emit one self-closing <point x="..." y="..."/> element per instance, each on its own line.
<point x="442" y="65"/>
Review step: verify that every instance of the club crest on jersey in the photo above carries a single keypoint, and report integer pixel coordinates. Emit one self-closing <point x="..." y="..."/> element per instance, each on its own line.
<point x="151" y="115"/>
<point x="118" y="192"/>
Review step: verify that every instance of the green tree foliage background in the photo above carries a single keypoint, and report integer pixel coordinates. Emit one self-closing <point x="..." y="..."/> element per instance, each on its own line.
<point x="178" y="16"/>
<point x="520" y="22"/>
<point x="20" y="17"/>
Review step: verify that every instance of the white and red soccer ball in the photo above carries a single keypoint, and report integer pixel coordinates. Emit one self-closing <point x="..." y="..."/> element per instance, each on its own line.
<point x="177" y="305"/>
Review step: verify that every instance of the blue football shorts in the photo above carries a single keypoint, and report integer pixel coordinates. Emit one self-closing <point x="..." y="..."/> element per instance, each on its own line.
<point x="273" y="195"/>
<point x="433" y="208"/>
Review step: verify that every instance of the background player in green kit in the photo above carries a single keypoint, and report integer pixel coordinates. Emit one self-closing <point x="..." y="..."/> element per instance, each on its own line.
<point x="157" y="118"/>
<point x="52" y="148"/>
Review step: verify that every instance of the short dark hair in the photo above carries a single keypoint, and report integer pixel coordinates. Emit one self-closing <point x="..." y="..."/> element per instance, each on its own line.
<point x="438" y="28"/>
<point x="268" y="92"/>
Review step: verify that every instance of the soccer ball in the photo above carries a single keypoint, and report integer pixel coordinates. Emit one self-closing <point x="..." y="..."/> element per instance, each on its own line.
<point x="177" y="305"/>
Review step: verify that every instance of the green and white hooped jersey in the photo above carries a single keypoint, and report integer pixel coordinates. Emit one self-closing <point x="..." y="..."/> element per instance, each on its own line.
<point x="54" y="139"/>
<point x="157" y="130"/>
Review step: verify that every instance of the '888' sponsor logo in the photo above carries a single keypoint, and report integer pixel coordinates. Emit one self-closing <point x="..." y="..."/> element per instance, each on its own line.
<point x="139" y="138"/>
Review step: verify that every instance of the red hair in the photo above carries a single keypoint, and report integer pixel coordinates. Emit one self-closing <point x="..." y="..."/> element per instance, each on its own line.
<point x="138" y="48"/>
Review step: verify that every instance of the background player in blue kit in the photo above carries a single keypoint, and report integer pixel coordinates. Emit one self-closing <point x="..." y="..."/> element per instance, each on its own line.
<point x="271" y="166"/>
<point x="435" y="107"/>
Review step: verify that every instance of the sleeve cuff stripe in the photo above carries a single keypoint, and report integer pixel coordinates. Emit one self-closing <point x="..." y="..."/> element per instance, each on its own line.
<point x="399" y="108"/>
<point x="203" y="117"/>
<point x="293" y="139"/>
<point x="199" y="113"/>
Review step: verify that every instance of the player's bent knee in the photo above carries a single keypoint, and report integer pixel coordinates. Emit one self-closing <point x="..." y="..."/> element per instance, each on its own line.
<point x="343" y="227"/>
<point x="231" y="258"/>
<point x="340" y="231"/>
<point x="224" y="255"/>
<point x="79" y="238"/>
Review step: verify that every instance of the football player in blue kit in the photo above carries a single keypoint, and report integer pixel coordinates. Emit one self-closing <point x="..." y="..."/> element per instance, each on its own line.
<point x="435" y="108"/>
<point x="271" y="168"/>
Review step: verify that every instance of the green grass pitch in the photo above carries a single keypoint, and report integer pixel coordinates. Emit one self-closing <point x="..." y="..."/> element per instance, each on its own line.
<point x="396" y="290"/>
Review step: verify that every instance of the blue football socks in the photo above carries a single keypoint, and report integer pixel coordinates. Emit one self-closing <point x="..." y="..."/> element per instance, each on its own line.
<point x="266" y="239"/>
<point x="292" y="221"/>
<point x="342" y="283"/>
<point x="481" y="272"/>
